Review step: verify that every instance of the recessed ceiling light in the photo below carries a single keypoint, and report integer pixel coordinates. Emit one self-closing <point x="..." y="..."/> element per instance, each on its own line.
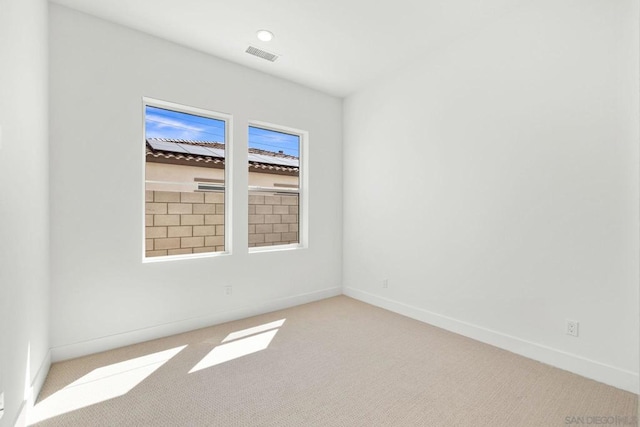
<point x="265" y="35"/>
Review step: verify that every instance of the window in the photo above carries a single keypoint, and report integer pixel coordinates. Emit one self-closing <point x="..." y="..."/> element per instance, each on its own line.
<point x="185" y="176"/>
<point x="275" y="186"/>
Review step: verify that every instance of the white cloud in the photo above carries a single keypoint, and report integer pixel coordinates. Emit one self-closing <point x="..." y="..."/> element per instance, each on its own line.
<point x="159" y="126"/>
<point x="164" y="122"/>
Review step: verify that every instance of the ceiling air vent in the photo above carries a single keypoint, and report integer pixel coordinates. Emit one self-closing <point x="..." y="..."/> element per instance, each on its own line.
<point x="261" y="53"/>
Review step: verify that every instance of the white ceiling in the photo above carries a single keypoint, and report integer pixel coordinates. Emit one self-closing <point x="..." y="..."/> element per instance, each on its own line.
<point x="336" y="46"/>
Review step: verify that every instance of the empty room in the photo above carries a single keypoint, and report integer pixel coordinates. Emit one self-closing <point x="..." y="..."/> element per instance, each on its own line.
<point x="319" y="213"/>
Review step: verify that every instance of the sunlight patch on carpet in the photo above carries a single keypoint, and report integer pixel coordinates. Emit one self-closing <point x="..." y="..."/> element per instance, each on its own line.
<point x="100" y="385"/>
<point x="250" y="331"/>
<point x="247" y="341"/>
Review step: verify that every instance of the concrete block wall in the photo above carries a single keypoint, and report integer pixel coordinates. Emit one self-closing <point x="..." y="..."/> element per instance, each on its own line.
<point x="273" y="219"/>
<point x="179" y="223"/>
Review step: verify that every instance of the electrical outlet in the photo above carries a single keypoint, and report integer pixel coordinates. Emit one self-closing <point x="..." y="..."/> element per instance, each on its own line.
<point x="572" y="327"/>
<point x="385" y="283"/>
<point x="228" y="290"/>
<point x="1" y="404"/>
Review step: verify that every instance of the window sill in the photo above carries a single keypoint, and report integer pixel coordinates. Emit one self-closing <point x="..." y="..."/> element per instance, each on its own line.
<point x="168" y="258"/>
<point x="276" y="248"/>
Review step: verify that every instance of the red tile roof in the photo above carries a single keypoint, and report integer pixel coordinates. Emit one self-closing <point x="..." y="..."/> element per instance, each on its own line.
<point x="174" y="151"/>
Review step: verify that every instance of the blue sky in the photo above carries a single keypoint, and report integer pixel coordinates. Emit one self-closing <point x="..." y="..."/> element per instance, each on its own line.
<point x="162" y="123"/>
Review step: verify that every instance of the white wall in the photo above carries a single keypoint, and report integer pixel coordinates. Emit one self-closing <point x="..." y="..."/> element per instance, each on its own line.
<point x="509" y="201"/>
<point x="103" y="296"/>
<point x="24" y="204"/>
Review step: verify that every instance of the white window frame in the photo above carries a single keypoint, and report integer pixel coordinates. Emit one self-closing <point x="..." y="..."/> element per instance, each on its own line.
<point x="228" y="161"/>
<point x="303" y="187"/>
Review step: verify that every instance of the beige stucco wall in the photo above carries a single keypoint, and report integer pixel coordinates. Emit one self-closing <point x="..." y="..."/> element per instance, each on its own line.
<point x="269" y="179"/>
<point x="185" y="175"/>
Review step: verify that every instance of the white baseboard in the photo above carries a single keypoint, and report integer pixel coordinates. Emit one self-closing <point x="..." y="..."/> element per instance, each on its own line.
<point x="21" y="419"/>
<point x="616" y="377"/>
<point x="41" y="376"/>
<point x="133" y="337"/>
<point x="32" y="395"/>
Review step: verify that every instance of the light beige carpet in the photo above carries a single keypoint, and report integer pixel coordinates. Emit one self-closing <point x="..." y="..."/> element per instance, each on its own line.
<point x="336" y="362"/>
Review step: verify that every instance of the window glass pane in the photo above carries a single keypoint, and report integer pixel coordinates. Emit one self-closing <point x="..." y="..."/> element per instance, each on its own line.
<point x="184" y="182"/>
<point x="274" y="193"/>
